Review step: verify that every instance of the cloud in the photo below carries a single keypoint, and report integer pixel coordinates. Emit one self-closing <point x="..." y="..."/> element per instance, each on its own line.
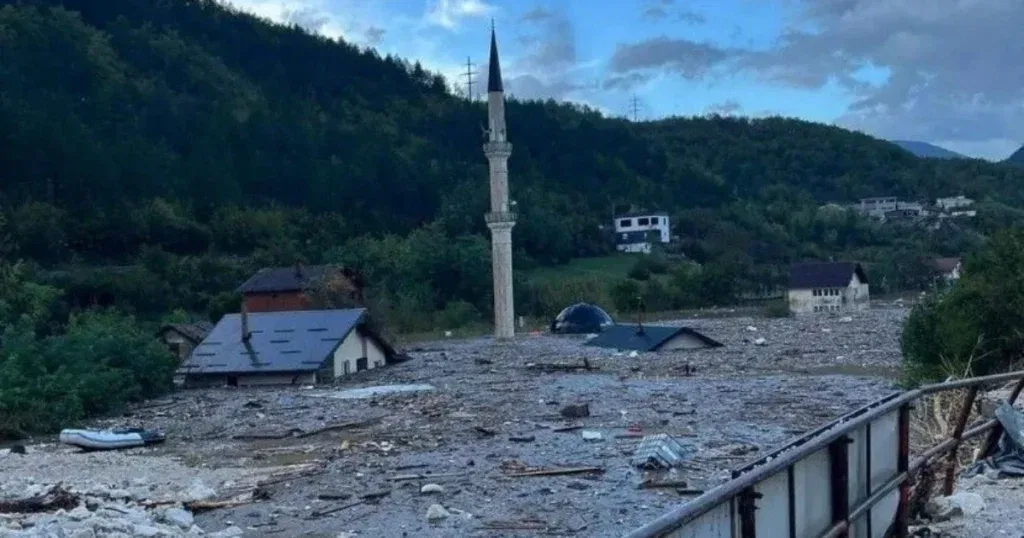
<point x="952" y="68"/>
<point x="309" y="18"/>
<point x="449" y="13"/>
<point x="692" y="17"/>
<point x="690" y="59"/>
<point x="725" y="108"/>
<point x="659" y="10"/>
<point x="374" y="35"/>
<point x="548" y="64"/>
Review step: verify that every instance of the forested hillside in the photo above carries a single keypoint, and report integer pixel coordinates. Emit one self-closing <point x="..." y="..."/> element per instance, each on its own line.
<point x="153" y="152"/>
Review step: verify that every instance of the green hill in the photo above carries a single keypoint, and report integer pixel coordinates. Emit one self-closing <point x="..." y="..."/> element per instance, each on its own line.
<point x="194" y="143"/>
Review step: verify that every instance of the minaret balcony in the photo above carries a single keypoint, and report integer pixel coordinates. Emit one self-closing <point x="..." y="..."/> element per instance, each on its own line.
<point x="500" y="217"/>
<point x="498" y="147"/>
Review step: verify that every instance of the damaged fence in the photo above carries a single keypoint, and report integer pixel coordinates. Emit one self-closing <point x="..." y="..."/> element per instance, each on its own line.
<point x="850" y="478"/>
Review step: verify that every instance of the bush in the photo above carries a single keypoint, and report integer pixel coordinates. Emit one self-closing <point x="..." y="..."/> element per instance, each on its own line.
<point x="974" y="328"/>
<point x="776" y="309"/>
<point x="101" y="362"/>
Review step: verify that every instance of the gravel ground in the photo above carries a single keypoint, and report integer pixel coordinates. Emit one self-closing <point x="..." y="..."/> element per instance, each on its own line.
<point x="491" y="414"/>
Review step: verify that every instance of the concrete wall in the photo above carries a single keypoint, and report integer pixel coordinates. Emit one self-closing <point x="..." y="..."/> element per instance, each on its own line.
<point x="307" y="378"/>
<point x="354" y="347"/>
<point x="173" y="339"/>
<point x="275" y="302"/>
<point x="854" y="297"/>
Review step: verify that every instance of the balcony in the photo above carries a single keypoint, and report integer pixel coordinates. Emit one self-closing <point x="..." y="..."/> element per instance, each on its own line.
<point x="498" y="217"/>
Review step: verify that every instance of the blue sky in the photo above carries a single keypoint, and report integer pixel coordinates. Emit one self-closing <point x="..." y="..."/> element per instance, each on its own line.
<point x="940" y="71"/>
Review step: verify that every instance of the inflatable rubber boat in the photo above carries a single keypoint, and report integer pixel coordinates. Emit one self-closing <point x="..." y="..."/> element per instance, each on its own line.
<point x="110" y="439"/>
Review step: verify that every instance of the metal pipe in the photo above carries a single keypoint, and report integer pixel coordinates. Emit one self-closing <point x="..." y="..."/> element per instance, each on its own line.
<point x="993" y="436"/>
<point x="839" y="529"/>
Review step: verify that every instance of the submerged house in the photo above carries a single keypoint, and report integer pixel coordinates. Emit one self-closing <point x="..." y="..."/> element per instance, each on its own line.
<point x="182" y="338"/>
<point x="282" y="289"/>
<point x="651" y="338"/>
<point x="827" y="287"/>
<point x="291" y="347"/>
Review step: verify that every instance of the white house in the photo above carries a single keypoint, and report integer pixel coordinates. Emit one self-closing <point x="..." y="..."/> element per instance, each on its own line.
<point x="827" y="287"/>
<point x="957" y="206"/>
<point x="635" y="232"/>
<point x="286" y="348"/>
<point x="948" y="269"/>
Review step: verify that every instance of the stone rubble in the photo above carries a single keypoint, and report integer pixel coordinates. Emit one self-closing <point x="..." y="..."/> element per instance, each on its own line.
<point x="724" y="405"/>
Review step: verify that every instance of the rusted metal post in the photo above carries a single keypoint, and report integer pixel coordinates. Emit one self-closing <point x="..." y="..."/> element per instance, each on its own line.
<point x="961" y="423"/>
<point x="747" y="506"/>
<point x="997" y="431"/>
<point x="839" y="473"/>
<point x="902" y="465"/>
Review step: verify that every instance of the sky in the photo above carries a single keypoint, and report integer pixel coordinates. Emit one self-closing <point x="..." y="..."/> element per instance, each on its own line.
<point x="948" y="72"/>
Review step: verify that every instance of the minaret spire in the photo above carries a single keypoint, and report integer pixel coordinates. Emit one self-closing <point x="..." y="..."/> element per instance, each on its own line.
<point x="494" y="68"/>
<point x="500" y="219"/>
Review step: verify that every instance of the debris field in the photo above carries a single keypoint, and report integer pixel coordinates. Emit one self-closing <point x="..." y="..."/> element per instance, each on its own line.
<point x="535" y="437"/>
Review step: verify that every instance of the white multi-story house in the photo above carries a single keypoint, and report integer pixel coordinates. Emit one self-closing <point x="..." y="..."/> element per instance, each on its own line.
<point x="827" y="287"/>
<point x="637" y="232"/>
<point x="957" y="206"/>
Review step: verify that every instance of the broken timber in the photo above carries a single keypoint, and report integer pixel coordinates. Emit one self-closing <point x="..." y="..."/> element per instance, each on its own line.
<point x="558" y="472"/>
<point x="57" y="497"/>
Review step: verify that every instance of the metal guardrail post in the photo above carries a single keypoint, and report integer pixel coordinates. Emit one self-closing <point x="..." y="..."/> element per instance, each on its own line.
<point x="961" y="422"/>
<point x="747" y="506"/>
<point x="997" y="431"/>
<point x="839" y="473"/>
<point x="902" y="466"/>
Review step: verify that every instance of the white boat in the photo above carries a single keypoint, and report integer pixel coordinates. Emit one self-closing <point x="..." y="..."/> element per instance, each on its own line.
<point x="110" y="439"/>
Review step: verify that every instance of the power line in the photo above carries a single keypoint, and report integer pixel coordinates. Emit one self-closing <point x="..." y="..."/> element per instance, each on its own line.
<point x="634" y="104"/>
<point x="469" y="78"/>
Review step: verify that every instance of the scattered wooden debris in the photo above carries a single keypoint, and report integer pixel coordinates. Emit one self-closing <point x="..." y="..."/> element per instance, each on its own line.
<point x="375" y="495"/>
<point x="336" y="427"/>
<point x="321" y="513"/>
<point x="653" y="484"/>
<point x="522" y="525"/>
<point x="198" y="507"/>
<point x="413" y="466"/>
<point x="558" y="472"/>
<point x="684" y="491"/>
<point x="575" y="411"/>
<point x="567" y="428"/>
<point x="256" y="436"/>
<point x="561" y="366"/>
<point x="55" y="498"/>
<point x="486" y="431"/>
<point x="333" y="496"/>
<point x="403" y="477"/>
<point x="523" y="439"/>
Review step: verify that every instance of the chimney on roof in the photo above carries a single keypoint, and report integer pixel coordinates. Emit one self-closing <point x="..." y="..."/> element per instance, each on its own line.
<point x="246" y="335"/>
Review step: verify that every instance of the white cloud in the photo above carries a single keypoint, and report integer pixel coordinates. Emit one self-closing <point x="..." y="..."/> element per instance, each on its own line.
<point x="449" y="13"/>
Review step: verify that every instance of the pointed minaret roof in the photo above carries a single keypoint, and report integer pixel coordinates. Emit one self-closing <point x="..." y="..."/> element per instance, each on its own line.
<point x="494" y="71"/>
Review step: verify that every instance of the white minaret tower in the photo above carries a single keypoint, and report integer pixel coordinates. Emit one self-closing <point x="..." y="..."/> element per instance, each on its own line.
<point x="501" y="219"/>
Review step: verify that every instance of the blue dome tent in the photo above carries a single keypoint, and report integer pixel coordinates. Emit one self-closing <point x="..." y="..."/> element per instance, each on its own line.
<point x="581" y="318"/>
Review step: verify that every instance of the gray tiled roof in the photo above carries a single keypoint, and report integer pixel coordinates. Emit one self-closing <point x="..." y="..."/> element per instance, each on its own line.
<point x="193" y="331"/>
<point x="653" y="337"/>
<point x="275" y="279"/>
<point x="296" y="341"/>
<point x="824" y="275"/>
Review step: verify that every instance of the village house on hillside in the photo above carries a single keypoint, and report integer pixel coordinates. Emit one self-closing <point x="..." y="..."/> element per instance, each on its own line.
<point x="827" y="287"/>
<point x="293" y="347"/>
<point x="182" y="338"/>
<point x="948" y="269"/>
<point x="286" y="288"/>
<point x="637" y="232"/>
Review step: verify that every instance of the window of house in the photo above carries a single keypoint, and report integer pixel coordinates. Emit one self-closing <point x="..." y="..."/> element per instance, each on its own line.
<point x="361" y="364"/>
<point x="654" y="220"/>
<point x="642" y="222"/>
<point x="345" y="367"/>
<point x="626" y="223"/>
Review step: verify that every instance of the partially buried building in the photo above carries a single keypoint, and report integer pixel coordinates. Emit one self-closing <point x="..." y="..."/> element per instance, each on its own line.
<point x="828" y="287"/>
<point x="291" y="347"/>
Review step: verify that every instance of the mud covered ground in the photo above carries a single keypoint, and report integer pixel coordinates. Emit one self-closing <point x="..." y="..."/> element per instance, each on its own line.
<point x="490" y="416"/>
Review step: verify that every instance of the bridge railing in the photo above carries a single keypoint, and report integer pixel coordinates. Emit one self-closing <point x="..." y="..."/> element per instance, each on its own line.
<point x="849" y="478"/>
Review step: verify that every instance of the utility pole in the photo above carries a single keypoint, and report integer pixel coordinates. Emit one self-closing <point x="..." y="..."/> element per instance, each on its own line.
<point x="469" y="78"/>
<point x="634" y="105"/>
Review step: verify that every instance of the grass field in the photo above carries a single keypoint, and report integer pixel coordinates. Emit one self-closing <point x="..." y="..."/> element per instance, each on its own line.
<point x="606" y="267"/>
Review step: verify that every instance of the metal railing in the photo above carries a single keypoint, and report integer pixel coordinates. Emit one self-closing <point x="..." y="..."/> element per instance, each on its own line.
<point x="850" y="477"/>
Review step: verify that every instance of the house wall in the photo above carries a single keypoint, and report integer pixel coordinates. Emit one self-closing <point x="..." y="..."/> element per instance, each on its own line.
<point x="644" y="223"/>
<point x="683" y="341"/>
<point x="220" y="380"/>
<point x="275" y="302"/>
<point x="354" y="347"/>
<point x="854" y="297"/>
<point x="642" y="248"/>
<point x="177" y="344"/>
